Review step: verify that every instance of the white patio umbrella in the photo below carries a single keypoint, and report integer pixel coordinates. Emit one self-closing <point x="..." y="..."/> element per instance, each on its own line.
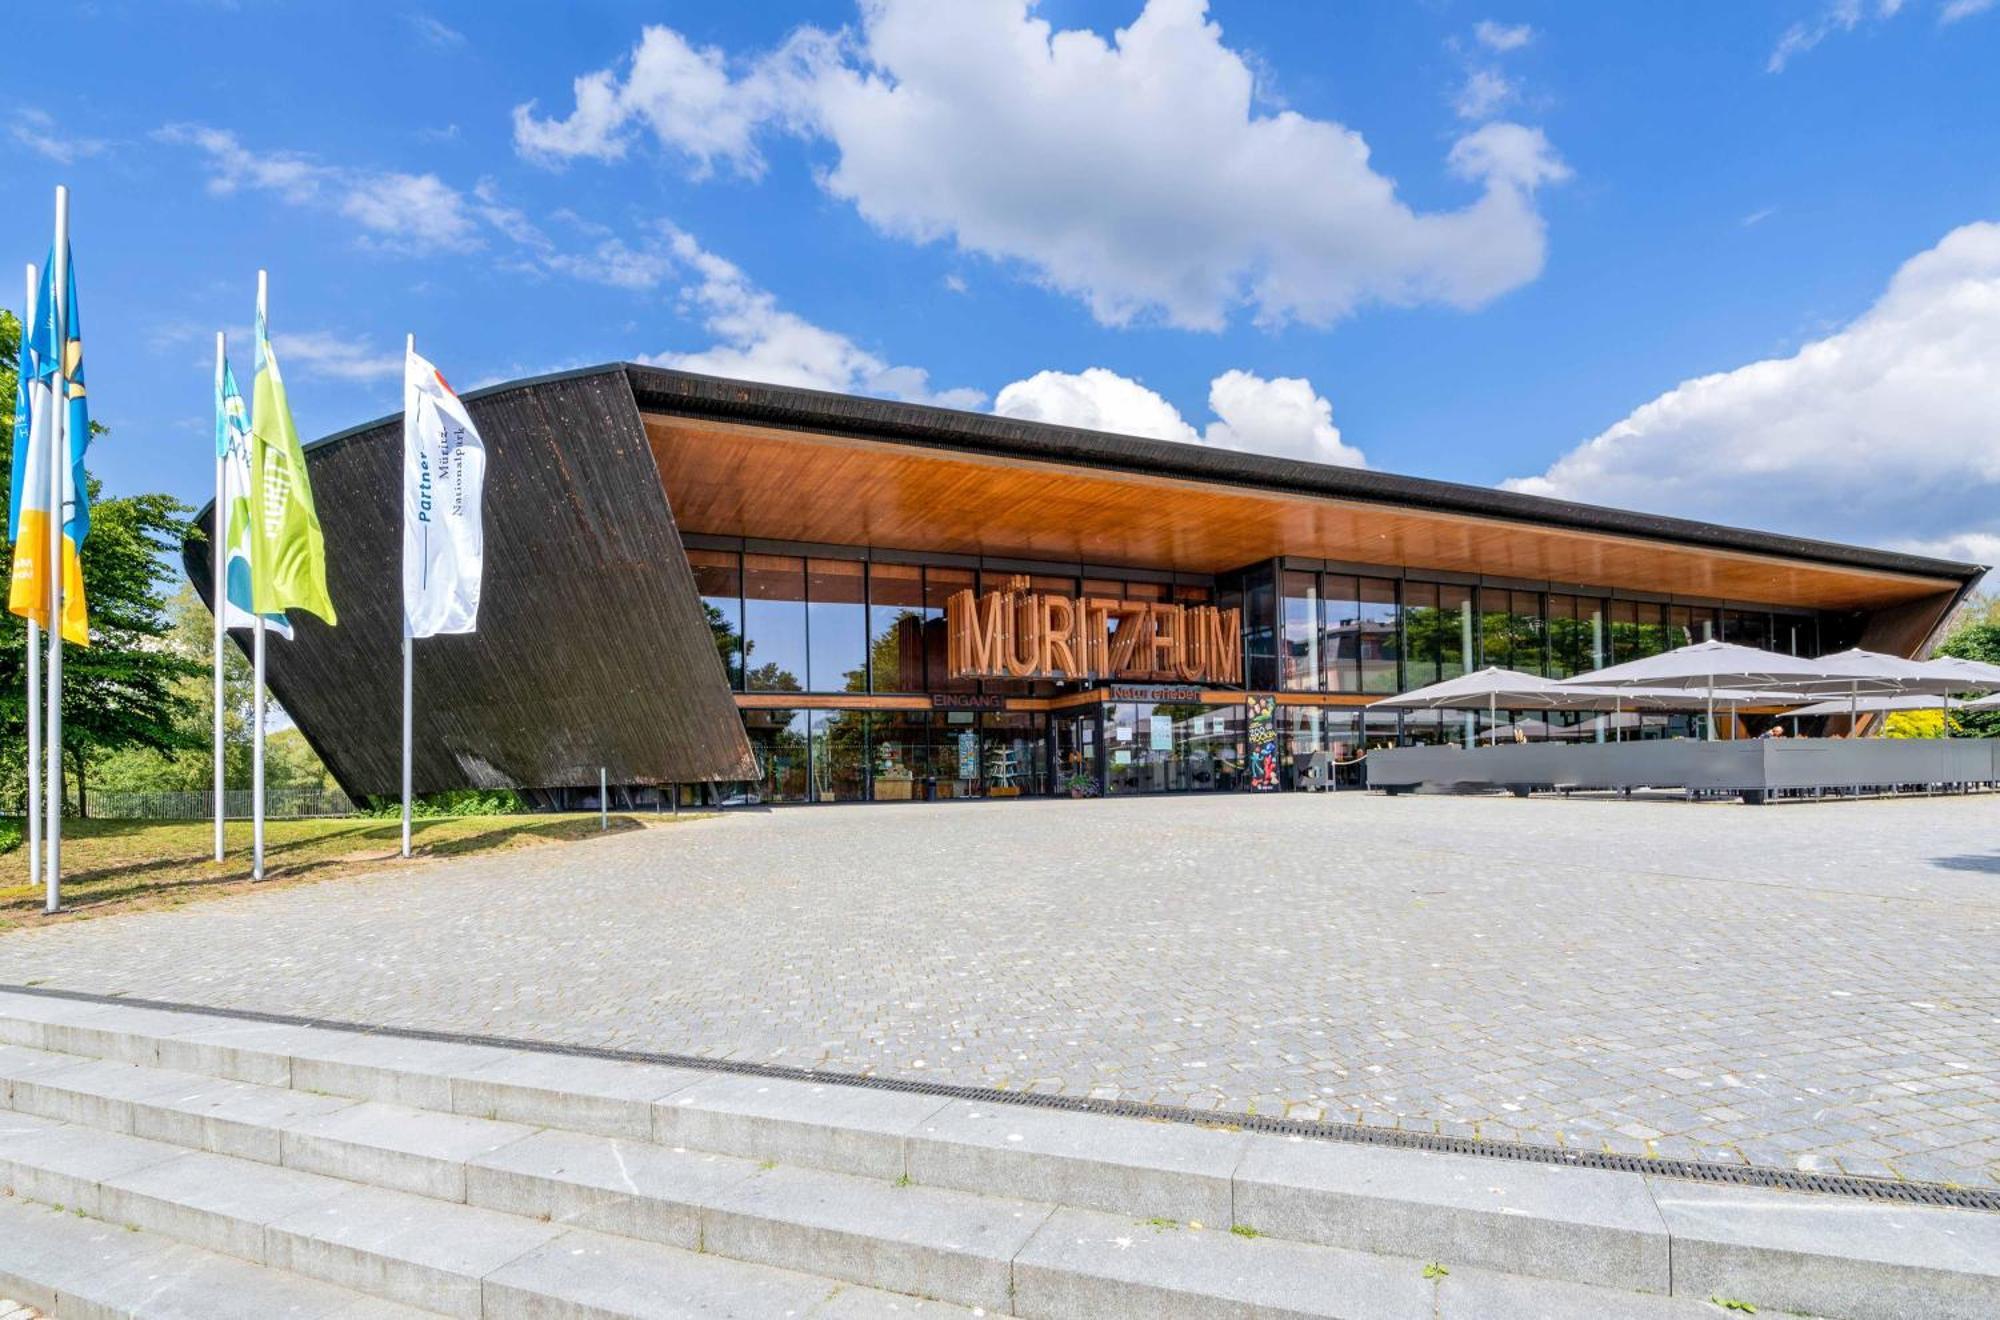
<point x="1879" y="704"/>
<point x="1709" y="667"/>
<point x="1984" y="703"/>
<point x="1978" y="676"/>
<point x="1492" y="687"/>
<point x="1858" y="672"/>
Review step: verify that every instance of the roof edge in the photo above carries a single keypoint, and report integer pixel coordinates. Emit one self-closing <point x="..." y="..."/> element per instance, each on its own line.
<point x="682" y="392"/>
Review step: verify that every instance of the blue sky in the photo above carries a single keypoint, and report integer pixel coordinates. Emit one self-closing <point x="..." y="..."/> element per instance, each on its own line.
<point x="1732" y="261"/>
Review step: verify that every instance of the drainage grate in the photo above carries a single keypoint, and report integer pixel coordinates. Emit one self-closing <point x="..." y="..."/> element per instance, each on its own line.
<point x="1903" y="1192"/>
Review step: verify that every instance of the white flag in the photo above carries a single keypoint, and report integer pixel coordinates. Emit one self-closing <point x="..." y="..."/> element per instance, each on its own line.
<point x="444" y="465"/>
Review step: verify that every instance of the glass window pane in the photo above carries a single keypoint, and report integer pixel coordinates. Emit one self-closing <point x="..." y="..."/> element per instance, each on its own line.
<point x="1455" y="639"/>
<point x="1380" y="635"/>
<point x="718" y="576"/>
<point x="1340" y="633"/>
<point x="774" y="623"/>
<point x="1298" y="654"/>
<point x="1014" y="754"/>
<point x="836" y="626"/>
<point x="778" y="738"/>
<point x="955" y="753"/>
<point x="1496" y="646"/>
<point x="940" y="584"/>
<point x="1524" y="626"/>
<point x="839" y="755"/>
<point x="1422" y="622"/>
<point x="896" y="618"/>
<point x="899" y="754"/>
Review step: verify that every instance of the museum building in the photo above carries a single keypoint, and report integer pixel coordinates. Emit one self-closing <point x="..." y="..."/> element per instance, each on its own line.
<point x="744" y="593"/>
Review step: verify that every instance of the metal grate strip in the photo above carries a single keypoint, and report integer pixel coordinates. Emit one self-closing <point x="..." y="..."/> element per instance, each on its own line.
<point x="1905" y="1192"/>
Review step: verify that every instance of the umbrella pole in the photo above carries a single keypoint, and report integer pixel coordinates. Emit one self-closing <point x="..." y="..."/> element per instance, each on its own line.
<point x="1710" y="730"/>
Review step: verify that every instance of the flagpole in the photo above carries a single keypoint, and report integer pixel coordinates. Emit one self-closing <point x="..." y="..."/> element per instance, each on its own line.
<point x="409" y="643"/>
<point x="218" y="576"/>
<point x="257" y="648"/>
<point x="58" y="469"/>
<point x="34" y="803"/>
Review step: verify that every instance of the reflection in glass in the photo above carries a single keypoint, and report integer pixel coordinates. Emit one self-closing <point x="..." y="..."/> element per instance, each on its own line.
<point x="898" y="754"/>
<point x="774" y="623"/>
<point x="718" y="576"/>
<point x="1455" y="646"/>
<point x="896" y="627"/>
<point x="1014" y="754"/>
<point x="1378" y="640"/>
<point x="839" y="755"/>
<point x="836" y="625"/>
<point x="940" y="584"/>
<point x="778" y="739"/>
<point x="955" y="753"/>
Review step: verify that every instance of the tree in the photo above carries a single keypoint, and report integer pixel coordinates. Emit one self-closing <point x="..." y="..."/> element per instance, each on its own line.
<point x="126" y="690"/>
<point x="1974" y="634"/>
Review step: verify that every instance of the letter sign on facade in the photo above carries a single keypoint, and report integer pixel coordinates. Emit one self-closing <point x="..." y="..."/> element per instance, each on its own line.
<point x="1017" y="633"/>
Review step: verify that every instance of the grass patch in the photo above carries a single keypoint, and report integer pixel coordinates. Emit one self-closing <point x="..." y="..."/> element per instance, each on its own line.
<point x="1244" y="1231"/>
<point x="119" y="865"/>
<point x="1435" y="1271"/>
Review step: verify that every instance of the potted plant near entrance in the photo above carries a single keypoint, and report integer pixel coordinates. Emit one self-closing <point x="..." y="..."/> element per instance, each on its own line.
<point x="1081" y="785"/>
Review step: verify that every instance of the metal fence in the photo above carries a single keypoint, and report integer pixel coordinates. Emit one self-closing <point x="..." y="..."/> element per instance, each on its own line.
<point x="279" y="803"/>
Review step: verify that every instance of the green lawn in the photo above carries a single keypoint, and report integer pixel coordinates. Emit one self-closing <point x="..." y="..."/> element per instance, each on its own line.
<point x="116" y="865"/>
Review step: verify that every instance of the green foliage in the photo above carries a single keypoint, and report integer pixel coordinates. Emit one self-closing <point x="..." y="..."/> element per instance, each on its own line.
<point x="1435" y="1271"/>
<point x="1974" y="634"/>
<point x="10" y="836"/>
<point x="458" y="802"/>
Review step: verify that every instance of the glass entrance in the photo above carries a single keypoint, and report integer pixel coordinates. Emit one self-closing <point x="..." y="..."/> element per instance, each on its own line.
<point x="1078" y="744"/>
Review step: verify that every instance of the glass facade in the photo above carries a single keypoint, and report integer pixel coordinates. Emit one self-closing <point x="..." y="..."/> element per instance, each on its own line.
<point x="825" y="625"/>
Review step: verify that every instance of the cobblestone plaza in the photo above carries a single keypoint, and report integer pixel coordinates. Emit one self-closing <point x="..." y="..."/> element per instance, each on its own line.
<point x="1807" y="986"/>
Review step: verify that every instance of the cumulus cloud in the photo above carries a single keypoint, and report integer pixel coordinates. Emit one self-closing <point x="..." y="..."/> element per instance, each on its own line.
<point x="757" y="339"/>
<point x="1281" y="417"/>
<point x="336" y="357"/>
<point x="1139" y="173"/>
<point x="410" y="214"/>
<point x="1886" y="430"/>
<point x="1954" y="10"/>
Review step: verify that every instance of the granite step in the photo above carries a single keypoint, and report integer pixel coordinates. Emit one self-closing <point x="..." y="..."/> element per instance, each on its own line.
<point x="908" y="1191"/>
<point x="71" y="1266"/>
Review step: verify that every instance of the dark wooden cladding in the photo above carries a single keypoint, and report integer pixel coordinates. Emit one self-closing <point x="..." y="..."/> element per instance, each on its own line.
<point x="592" y="649"/>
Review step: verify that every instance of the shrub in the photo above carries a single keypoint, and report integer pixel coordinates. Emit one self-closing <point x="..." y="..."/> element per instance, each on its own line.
<point x="10" y="836"/>
<point x="458" y="802"/>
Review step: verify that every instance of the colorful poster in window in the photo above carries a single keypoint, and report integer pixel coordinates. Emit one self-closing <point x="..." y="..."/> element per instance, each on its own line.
<point x="1263" y="743"/>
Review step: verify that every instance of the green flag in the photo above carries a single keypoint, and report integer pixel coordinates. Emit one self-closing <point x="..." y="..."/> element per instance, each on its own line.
<point x="287" y="552"/>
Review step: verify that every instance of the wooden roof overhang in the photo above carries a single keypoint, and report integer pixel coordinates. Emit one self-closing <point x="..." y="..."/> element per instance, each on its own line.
<point x="791" y="465"/>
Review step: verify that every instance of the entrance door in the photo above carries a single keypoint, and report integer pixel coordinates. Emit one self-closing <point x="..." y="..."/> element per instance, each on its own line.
<point x="1079" y="739"/>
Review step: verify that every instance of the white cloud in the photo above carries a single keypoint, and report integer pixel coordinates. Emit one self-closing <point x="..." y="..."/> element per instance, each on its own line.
<point x="1954" y="10"/>
<point x="1282" y="417"/>
<point x="1837" y="16"/>
<point x="1758" y="216"/>
<point x="326" y="354"/>
<point x="1886" y="430"/>
<point x="1138" y="174"/>
<point x="435" y="33"/>
<point x="756" y="339"/>
<point x="683" y="94"/>
<point x="38" y="131"/>
<point x="1484" y="92"/>
<point x="403" y="213"/>
<point x="1502" y="37"/>
<point x="1096" y="399"/>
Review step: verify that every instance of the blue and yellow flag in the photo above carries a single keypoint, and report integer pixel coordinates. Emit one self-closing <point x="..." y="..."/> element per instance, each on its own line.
<point x="42" y="359"/>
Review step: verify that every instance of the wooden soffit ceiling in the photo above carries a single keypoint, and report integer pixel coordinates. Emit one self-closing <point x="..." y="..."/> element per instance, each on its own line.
<point x="731" y="479"/>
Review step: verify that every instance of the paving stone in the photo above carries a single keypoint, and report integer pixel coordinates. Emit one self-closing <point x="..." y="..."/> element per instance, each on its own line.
<point x="1331" y="949"/>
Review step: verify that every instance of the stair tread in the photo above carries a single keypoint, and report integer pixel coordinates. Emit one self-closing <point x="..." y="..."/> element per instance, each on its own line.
<point x="65" y="1262"/>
